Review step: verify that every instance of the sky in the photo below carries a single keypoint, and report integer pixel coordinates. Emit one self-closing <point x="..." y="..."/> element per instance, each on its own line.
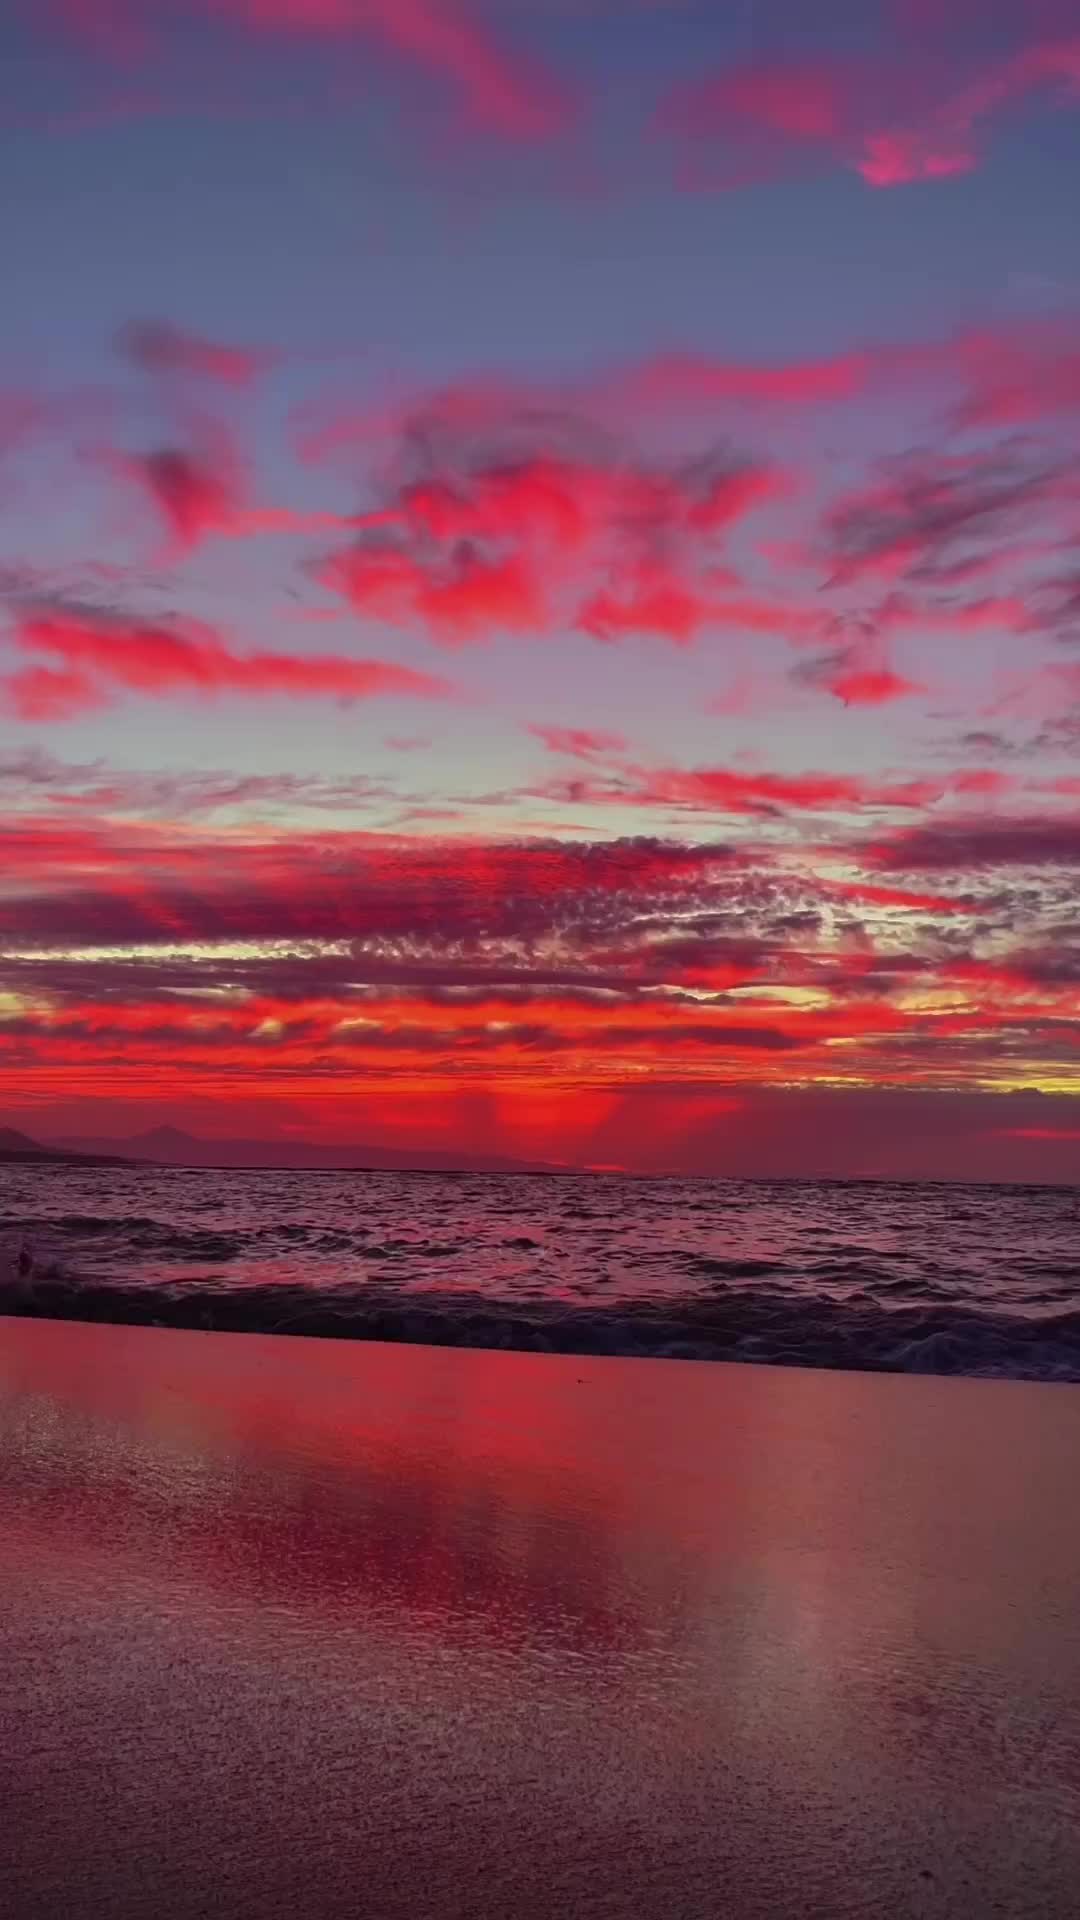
<point x="539" y="579"/>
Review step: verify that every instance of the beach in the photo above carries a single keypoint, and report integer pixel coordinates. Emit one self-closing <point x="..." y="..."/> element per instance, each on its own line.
<point x="304" y="1626"/>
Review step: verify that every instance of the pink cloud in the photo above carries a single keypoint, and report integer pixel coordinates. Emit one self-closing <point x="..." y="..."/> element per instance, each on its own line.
<point x="897" y="159"/>
<point x="89" y="660"/>
<point x="651" y="601"/>
<point x="1010" y="373"/>
<point x="556" y="531"/>
<point x="579" y="743"/>
<point x="194" y="495"/>
<point x="872" y="687"/>
<point x="457" y="601"/>
<point x="158" y="347"/>
<point x="739" y="792"/>
<point x="499" y="88"/>
<point x="202" y="494"/>
<point x="909" y="111"/>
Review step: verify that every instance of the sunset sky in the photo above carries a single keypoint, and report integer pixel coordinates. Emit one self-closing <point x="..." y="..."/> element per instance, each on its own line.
<point x="540" y="578"/>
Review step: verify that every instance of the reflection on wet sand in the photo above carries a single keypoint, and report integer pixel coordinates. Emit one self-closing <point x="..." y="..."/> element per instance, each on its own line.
<point x="297" y="1626"/>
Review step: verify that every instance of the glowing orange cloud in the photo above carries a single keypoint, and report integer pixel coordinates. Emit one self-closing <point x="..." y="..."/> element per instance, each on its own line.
<point x="346" y="960"/>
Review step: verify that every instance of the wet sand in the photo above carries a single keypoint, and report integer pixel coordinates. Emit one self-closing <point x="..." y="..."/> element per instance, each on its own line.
<point x="310" y="1628"/>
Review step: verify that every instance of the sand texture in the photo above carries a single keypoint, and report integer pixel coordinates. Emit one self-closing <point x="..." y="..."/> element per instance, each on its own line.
<point x="311" y="1628"/>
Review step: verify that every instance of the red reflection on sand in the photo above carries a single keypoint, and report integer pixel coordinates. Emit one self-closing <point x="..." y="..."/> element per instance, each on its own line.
<point x="519" y="1495"/>
<point x="571" y="1629"/>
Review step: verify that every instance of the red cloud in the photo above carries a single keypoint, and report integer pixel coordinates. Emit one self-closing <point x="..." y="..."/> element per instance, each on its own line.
<point x="539" y="537"/>
<point x="543" y="500"/>
<point x="478" y="594"/>
<point x="97" y="659"/>
<point x="871" y="687"/>
<point x="752" y="793"/>
<point x="563" y="501"/>
<point x="728" y="790"/>
<point x="652" y="600"/>
<point x="457" y="599"/>
<point x="423" y="897"/>
<point x="866" y="893"/>
<point x="537" y="955"/>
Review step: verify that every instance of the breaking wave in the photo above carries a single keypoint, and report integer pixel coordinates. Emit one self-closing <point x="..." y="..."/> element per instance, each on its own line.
<point x="749" y="1327"/>
<point x="908" y="1279"/>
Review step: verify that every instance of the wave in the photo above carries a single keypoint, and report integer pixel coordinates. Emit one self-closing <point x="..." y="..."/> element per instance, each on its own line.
<point x="763" y="1325"/>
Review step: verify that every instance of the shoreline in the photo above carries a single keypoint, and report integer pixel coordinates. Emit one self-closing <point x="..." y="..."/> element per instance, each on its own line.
<point x="740" y="1328"/>
<point x="567" y="1356"/>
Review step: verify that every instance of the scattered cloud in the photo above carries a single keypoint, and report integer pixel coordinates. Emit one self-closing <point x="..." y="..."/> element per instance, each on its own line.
<point x="160" y="348"/>
<point x="973" y="844"/>
<point x="865" y="909"/>
<point x="82" y="661"/>
<point x="579" y="743"/>
<point x="906" y="110"/>
<point x="497" y="87"/>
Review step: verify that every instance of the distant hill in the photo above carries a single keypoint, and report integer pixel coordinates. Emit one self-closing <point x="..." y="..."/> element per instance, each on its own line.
<point x="11" y="1141"/>
<point x="170" y="1146"/>
<point x="16" y="1146"/>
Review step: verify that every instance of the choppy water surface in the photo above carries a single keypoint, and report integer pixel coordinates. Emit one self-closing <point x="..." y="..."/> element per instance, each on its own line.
<point x="919" y="1278"/>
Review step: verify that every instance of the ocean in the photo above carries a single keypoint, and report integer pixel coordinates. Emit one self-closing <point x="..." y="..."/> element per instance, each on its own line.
<point x="899" y="1277"/>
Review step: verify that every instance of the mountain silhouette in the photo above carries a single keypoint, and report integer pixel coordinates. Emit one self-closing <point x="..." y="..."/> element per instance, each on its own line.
<point x="171" y="1146"/>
